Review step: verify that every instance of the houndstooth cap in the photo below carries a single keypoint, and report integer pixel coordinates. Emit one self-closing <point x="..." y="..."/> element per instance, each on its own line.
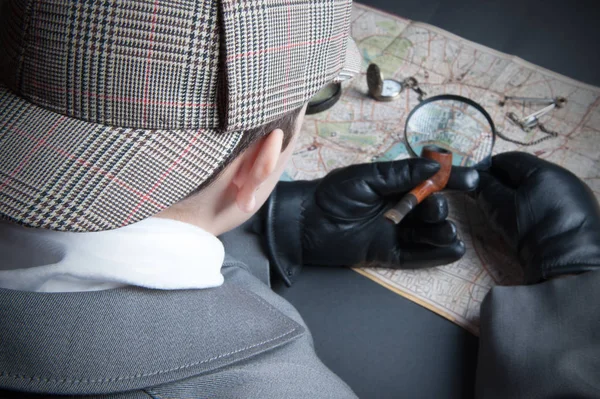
<point x="112" y="110"/>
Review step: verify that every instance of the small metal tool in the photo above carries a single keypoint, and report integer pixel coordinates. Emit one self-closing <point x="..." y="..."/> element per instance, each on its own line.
<point x="558" y="101"/>
<point x="531" y="121"/>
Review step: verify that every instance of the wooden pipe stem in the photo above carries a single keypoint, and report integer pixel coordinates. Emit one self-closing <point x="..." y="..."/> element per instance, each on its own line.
<point x="432" y="185"/>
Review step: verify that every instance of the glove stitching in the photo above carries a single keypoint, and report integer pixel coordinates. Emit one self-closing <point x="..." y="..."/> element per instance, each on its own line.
<point x="574" y="263"/>
<point x="302" y="220"/>
<point x="548" y="270"/>
<point x="553" y="265"/>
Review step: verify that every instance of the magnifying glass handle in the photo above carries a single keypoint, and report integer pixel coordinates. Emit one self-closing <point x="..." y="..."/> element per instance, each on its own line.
<point x="434" y="184"/>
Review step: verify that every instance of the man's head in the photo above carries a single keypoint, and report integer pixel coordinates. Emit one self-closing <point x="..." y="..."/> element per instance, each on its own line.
<point x="243" y="184"/>
<point x="111" y="112"/>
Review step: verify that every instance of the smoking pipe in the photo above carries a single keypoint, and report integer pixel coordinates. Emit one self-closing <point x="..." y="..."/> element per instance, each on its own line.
<point x="432" y="185"/>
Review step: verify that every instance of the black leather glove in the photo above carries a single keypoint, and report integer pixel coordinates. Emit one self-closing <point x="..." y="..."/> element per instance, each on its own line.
<point x="549" y="216"/>
<point x="338" y="220"/>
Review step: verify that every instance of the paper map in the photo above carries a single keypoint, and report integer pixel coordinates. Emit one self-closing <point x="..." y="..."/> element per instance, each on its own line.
<point x="359" y="129"/>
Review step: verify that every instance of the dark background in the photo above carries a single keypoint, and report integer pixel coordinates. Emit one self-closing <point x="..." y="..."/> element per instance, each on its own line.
<point x="563" y="36"/>
<point x="381" y="344"/>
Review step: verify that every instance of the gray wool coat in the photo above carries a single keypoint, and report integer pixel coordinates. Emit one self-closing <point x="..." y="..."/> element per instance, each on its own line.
<point x="241" y="340"/>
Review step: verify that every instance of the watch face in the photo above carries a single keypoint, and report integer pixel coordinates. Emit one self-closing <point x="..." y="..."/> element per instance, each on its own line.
<point x="391" y="88"/>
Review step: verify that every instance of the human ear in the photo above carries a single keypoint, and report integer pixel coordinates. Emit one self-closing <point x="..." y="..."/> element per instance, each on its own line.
<point x="259" y="163"/>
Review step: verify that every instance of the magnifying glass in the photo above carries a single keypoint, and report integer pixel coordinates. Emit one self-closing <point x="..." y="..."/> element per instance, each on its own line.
<point x="326" y="98"/>
<point x="452" y="130"/>
<point x="454" y="123"/>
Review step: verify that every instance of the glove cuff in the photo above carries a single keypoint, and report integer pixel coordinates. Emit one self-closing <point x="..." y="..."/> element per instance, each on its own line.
<point x="534" y="275"/>
<point x="546" y="259"/>
<point x="284" y="228"/>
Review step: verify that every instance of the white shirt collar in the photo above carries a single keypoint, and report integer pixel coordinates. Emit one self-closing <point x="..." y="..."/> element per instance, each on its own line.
<point x="154" y="253"/>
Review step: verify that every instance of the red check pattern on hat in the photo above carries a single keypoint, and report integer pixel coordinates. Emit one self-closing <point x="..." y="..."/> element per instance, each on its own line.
<point x="112" y="110"/>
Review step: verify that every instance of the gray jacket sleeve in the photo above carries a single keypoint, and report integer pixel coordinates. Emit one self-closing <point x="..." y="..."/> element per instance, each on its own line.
<point x="541" y="341"/>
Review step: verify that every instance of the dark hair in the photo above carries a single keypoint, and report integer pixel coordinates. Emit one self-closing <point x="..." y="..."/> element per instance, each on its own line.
<point x="287" y="123"/>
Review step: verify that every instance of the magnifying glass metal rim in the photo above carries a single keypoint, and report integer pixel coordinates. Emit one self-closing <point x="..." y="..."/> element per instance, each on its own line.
<point x="315" y="107"/>
<point x="485" y="162"/>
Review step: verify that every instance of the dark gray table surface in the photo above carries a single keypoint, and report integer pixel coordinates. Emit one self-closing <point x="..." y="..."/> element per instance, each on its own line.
<point x="562" y="36"/>
<point x="381" y="344"/>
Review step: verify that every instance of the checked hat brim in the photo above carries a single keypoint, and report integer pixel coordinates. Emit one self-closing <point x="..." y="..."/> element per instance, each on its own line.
<point x="112" y="112"/>
<point x="52" y="176"/>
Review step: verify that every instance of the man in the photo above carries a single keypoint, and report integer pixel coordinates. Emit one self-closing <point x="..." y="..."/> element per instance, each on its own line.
<point x="135" y="132"/>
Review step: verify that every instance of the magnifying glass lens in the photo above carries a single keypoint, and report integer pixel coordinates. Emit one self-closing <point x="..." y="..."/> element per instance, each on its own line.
<point x="454" y="123"/>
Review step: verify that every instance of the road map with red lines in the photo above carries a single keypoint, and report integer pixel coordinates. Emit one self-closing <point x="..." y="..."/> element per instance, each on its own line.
<point x="359" y="129"/>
